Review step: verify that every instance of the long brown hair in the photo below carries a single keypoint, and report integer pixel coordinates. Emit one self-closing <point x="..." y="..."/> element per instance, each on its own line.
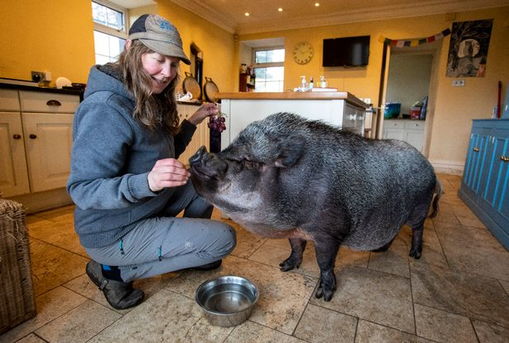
<point x="152" y="110"/>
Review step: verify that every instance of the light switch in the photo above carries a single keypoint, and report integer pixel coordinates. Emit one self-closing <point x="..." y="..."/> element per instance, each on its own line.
<point x="458" y="83"/>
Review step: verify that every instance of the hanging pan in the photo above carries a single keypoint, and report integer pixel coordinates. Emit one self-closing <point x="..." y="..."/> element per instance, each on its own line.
<point x="210" y="90"/>
<point x="192" y="86"/>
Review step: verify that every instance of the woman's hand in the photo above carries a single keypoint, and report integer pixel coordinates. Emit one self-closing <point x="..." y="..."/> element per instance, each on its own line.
<point x="166" y="173"/>
<point x="206" y="110"/>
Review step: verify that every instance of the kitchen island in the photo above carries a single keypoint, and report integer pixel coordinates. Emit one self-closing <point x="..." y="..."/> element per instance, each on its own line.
<point x="340" y="109"/>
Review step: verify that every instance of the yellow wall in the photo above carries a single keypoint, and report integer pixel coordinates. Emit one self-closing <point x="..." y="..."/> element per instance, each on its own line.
<point x="53" y="35"/>
<point x="216" y="44"/>
<point x="454" y="107"/>
<point x="57" y="36"/>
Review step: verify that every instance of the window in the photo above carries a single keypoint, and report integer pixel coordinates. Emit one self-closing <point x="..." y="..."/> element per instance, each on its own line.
<point x="269" y="69"/>
<point x="110" y="33"/>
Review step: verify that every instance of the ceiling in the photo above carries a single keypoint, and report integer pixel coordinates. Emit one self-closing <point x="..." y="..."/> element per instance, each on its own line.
<point x="264" y="15"/>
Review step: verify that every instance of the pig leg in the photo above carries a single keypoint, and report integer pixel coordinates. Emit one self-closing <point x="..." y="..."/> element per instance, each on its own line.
<point x="326" y="251"/>
<point x="295" y="259"/>
<point x="416" y="249"/>
<point x="416" y="222"/>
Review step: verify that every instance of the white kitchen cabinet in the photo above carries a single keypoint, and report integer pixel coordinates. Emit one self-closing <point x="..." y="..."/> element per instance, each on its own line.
<point x="48" y="143"/>
<point x="13" y="171"/>
<point x="201" y="135"/>
<point x="240" y="112"/>
<point x="410" y="131"/>
<point x="36" y="136"/>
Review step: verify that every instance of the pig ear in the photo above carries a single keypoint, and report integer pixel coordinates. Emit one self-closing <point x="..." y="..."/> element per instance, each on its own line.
<point x="290" y="150"/>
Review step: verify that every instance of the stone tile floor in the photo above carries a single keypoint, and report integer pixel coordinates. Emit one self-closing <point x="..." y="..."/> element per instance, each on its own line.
<point x="457" y="292"/>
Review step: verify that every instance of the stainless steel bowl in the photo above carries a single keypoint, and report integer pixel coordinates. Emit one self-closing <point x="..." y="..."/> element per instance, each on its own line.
<point x="227" y="300"/>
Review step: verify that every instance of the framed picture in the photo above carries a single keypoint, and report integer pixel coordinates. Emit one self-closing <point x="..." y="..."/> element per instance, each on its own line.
<point x="468" y="49"/>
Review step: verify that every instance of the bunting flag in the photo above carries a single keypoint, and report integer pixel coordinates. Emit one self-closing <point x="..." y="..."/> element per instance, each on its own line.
<point x="414" y="42"/>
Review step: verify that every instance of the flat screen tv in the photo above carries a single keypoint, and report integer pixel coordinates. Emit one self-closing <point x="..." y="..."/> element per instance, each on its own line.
<point x="346" y="51"/>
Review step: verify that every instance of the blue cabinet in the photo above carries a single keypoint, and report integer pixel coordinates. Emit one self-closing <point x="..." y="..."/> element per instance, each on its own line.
<point x="485" y="184"/>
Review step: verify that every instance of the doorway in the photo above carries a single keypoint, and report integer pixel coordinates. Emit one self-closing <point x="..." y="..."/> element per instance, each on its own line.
<point x="408" y="94"/>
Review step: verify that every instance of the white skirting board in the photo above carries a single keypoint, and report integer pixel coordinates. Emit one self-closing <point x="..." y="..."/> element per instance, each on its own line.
<point x="448" y="167"/>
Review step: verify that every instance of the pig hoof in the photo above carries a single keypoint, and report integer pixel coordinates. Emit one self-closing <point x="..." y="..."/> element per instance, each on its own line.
<point x="319" y="293"/>
<point x="289" y="264"/>
<point x="326" y="294"/>
<point x="415" y="254"/>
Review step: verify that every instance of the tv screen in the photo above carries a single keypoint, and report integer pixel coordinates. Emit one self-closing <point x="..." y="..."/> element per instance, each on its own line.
<point x="347" y="51"/>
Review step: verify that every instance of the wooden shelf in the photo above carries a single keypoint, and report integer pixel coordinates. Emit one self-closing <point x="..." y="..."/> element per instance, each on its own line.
<point x="245" y="86"/>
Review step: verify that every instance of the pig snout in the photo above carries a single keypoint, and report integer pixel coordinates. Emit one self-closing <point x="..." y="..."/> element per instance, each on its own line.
<point x="207" y="164"/>
<point x="196" y="158"/>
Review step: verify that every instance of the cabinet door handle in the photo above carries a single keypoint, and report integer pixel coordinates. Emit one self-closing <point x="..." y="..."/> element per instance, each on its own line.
<point x="16" y="136"/>
<point x="504" y="158"/>
<point x="476" y="149"/>
<point x="53" y="103"/>
<point x="32" y="136"/>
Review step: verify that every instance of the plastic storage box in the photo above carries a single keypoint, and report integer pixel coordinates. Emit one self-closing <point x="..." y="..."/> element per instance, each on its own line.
<point x="392" y="110"/>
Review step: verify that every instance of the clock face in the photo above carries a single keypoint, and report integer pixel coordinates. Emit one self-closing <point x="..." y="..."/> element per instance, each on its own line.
<point x="303" y="52"/>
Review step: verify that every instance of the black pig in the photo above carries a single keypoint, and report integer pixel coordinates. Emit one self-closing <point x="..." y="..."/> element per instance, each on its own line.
<point x="285" y="176"/>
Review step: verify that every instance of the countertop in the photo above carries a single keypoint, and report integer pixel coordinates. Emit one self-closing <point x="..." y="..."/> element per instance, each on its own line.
<point x="42" y="89"/>
<point x="68" y="91"/>
<point x="404" y="119"/>
<point x="293" y="96"/>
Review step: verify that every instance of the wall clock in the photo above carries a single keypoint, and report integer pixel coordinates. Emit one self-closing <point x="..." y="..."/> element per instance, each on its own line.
<point x="302" y="52"/>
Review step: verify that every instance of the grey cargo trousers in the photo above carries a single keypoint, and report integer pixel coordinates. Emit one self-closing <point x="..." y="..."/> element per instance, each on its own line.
<point x="165" y="243"/>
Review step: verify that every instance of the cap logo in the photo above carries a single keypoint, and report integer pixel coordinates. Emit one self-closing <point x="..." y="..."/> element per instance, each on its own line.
<point x="163" y="23"/>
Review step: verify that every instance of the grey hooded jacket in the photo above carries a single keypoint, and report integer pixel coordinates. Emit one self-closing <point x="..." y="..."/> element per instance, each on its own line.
<point x="111" y="157"/>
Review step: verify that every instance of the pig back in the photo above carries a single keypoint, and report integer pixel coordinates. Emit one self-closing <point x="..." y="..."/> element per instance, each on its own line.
<point x="366" y="188"/>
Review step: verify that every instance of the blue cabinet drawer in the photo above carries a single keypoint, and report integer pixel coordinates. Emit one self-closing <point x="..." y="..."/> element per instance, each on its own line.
<point x="485" y="181"/>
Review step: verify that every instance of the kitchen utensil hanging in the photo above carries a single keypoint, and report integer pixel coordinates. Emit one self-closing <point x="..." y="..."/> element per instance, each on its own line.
<point x="191" y="85"/>
<point x="210" y="90"/>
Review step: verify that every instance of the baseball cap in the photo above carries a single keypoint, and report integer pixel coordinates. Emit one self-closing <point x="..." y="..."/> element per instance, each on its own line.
<point x="158" y="34"/>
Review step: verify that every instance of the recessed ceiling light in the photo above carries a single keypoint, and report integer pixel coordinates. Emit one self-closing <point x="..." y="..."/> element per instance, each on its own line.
<point x="280" y="9"/>
<point x="317" y="4"/>
<point x="246" y="14"/>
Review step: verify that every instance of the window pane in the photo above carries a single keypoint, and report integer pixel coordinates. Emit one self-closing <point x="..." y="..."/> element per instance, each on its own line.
<point x="99" y="13"/>
<point x="276" y="55"/>
<point x="107" y="16"/>
<point x="261" y="56"/>
<point x="268" y="56"/>
<point x="107" y="47"/>
<point x="269" y="79"/>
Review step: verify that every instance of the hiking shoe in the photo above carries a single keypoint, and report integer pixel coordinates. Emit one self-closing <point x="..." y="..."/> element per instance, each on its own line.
<point x="120" y="295"/>
<point x="204" y="267"/>
<point x="209" y="266"/>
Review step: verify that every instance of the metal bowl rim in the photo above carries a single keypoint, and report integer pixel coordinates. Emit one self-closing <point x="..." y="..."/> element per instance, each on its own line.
<point x="257" y="295"/>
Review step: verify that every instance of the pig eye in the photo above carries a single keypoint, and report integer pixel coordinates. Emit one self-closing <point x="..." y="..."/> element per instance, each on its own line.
<point x="251" y="164"/>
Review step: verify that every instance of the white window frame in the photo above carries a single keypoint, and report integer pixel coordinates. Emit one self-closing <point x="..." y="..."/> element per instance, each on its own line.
<point x="267" y="64"/>
<point x="108" y="30"/>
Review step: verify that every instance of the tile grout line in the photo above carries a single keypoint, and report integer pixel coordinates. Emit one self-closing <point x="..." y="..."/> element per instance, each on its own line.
<point x="473" y="328"/>
<point x="396" y="329"/>
<point x="441" y="246"/>
<point x="302" y="314"/>
<point x="412" y="296"/>
<point x="38" y="336"/>
<point x="52" y="320"/>
<point x="465" y="315"/>
<point x="258" y="248"/>
<point x="356" y="329"/>
<point x="501" y="285"/>
<point x="56" y="246"/>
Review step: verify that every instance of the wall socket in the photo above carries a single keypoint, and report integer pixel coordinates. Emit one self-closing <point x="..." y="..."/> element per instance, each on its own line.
<point x="458" y="83"/>
<point x="38" y="76"/>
